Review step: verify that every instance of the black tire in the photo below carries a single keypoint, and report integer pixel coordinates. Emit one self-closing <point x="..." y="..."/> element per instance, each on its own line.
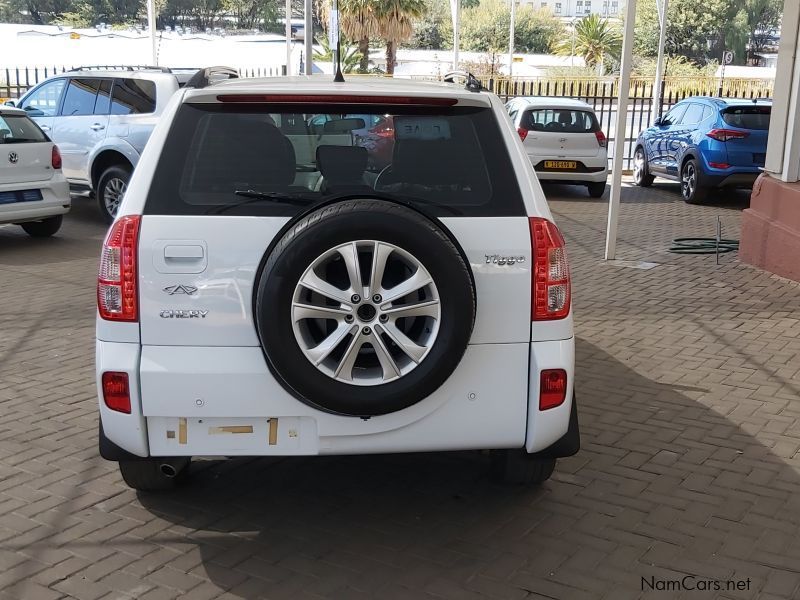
<point x="692" y="188"/>
<point x="516" y="466"/>
<point x="333" y="225"/>
<point x="641" y="174"/>
<point x="108" y="186"/>
<point x="43" y="228"/>
<point x="148" y="475"/>
<point x="597" y="189"/>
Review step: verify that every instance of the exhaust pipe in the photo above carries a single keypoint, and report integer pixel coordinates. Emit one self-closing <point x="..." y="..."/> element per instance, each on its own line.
<point x="168" y="470"/>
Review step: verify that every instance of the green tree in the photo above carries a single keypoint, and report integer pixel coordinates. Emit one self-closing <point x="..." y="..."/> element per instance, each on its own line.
<point x="595" y="39"/>
<point x="434" y="30"/>
<point x="485" y="28"/>
<point x="38" y="12"/>
<point x="763" y="18"/>
<point x="396" y="24"/>
<point x="358" y="21"/>
<point x="351" y="57"/>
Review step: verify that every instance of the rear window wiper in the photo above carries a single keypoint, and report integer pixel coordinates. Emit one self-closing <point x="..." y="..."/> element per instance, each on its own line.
<point x="256" y="196"/>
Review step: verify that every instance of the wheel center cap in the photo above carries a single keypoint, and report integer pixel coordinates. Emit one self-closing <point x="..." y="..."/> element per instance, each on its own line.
<point x="366" y="312"/>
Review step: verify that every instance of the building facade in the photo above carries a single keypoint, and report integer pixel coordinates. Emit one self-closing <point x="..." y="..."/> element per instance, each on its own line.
<point x="578" y="8"/>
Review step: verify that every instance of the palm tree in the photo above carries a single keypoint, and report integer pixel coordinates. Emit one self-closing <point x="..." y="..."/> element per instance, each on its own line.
<point x="395" y="21"/>
<point x="358" y="21"/>
<point x="350" y="54"/>
<point x="594" y="39"/>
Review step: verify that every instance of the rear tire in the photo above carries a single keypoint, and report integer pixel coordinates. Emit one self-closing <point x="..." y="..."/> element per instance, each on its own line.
<point x="597" y="189"/>
<point x="110" y="190"/>
<point x="150" y="474"/>
<point x="43" y="228"/>
<point x="516" y="466"/>
<point x="692" y="188"/>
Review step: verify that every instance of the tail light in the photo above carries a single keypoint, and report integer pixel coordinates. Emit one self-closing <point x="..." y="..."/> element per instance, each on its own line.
<point x="552" y="388"/>
<point x="523" y="133"/>
<point x="55" y="158"/>
<point x="723" y="135"/>
<point x="117" y="288"/>
<point x="601" y="138"/>
<point x="550" y="293"/>
<point x="116" y="391"/>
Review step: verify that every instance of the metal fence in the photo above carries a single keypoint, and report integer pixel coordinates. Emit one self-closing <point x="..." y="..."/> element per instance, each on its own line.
<point x="600" y="93"/>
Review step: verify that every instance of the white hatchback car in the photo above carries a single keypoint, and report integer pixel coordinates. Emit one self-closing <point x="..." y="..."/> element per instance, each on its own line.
<point x="33" y="190"/>
<point x="563" y="140"/>
<point x="264" y="292"/>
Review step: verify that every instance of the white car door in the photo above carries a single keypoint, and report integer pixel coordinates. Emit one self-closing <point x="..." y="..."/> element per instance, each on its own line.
<point x="77" y="129"/>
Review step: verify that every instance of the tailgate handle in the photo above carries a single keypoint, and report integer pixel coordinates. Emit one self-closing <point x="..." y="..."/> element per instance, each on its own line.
<point x="183" y="253"/>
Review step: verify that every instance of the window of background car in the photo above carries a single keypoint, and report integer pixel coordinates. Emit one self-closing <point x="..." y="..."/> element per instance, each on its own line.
<point x="17" y="129"/>
<point x="447" y="161"/>
<point x="80" y="97"/>
<point x="43" y="102"/>
<point x="693" y="114"/>
<point x="561" y="120"/>
<point x="673" y="116"/>
<point x="748" y="117"/>
<point x="103" y="103"/>
<point x="133" y="96"/>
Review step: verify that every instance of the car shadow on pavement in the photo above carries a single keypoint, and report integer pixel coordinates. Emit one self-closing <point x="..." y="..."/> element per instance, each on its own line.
<point x="664" y="487"/>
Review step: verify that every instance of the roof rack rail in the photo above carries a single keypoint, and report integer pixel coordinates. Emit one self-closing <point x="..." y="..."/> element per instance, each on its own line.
<point x="121" y="68"/>
<point x="471" y="82"/>
<point x="211" y="75"/>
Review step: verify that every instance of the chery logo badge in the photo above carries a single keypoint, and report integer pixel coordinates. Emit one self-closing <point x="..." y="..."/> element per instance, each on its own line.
<point x="180" y="289"/>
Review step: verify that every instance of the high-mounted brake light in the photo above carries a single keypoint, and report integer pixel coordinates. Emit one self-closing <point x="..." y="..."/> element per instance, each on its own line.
<point x="336" y="99"/>
<point x="523" y="133"/>
<point x="116" y="391"/>
<point x="55" y="158"/>
<point x="117" y="287"/>
<point x="601" y="138"/>
<point x="550" y="282"/>
<point x="723" y="135"/>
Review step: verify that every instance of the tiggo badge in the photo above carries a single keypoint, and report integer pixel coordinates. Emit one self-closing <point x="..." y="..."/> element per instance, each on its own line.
<point x="172" y="290"/>
<point x="497" y="259"/>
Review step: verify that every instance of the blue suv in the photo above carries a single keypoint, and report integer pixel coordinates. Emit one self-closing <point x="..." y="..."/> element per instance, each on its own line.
<point x="705" y="143"/>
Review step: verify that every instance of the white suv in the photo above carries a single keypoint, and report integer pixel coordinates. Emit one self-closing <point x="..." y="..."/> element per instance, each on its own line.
<point x="264" y="292"/>
<point x="563" y="140"/>
<point x="101" y="120"/>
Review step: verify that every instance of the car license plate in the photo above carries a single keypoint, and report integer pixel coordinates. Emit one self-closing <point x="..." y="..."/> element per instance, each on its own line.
<point x="560" y="164"/>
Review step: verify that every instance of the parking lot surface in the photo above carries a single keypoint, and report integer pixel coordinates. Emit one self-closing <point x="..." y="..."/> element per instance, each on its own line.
<point x="689" y="391"/>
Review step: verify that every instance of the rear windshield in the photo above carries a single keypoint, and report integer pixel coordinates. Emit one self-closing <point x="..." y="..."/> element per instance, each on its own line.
<point x="560" y="120"/>
<point x="277" y="159"/>
<point x="18" y="129"/>
<point x="747" y="117"/>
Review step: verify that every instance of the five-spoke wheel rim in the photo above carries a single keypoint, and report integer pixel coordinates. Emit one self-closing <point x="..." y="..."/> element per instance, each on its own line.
<point x="366" y="312"/>
<point x="113" y="194"/>
<point x="688" y="180"/>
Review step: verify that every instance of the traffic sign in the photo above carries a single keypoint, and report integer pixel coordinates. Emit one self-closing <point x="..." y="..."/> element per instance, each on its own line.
<point x="727" y="57"/>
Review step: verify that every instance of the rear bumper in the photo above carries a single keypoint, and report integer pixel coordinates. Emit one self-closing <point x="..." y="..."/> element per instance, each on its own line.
<point x="55" y="201"/>
<point x="183" y="404"/>
<point x="731" y="177"/>
<point x="571" y="177"/>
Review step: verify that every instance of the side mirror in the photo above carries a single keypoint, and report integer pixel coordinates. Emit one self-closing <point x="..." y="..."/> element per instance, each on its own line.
<point x="10" y="103"/>
<point x="659" y="121"/>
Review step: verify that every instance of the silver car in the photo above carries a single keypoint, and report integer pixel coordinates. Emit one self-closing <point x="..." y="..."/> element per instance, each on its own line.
<point x="101" y="121"/>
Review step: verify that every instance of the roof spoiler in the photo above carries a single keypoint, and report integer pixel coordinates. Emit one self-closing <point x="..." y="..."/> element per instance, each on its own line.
<point x="471" y="84"/>
<point x="211" y="75"/>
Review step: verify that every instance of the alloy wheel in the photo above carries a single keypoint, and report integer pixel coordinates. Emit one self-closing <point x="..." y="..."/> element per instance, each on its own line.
<point x="366" y="312"/>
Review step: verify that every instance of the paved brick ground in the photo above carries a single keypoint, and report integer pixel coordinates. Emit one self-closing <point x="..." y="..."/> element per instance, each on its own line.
<point x="690" y="396"/>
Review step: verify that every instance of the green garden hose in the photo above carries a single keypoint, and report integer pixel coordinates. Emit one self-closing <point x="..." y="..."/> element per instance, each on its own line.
<point x="701" y="245"/>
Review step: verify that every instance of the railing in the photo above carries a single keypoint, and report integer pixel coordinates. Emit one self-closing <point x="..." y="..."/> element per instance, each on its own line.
<point x="599" y="93"/>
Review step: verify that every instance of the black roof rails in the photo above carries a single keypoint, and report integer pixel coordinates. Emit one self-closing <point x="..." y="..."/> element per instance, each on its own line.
<point x="210" y="76"/>
<point x="121" y="68"/>
<point x="471" y="82"/>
